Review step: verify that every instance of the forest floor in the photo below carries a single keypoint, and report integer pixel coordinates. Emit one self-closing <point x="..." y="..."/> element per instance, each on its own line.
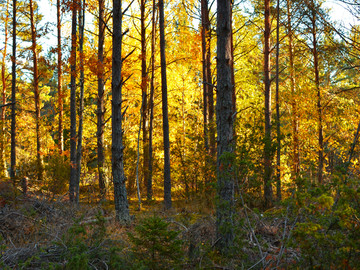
<point x="39" y="232"/>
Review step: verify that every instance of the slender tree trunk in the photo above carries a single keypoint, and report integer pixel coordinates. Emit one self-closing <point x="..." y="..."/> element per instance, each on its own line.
<point x="120" y="196"/>
<point x="224" y="121"/>
<point x="167" y="179"/>
<point x="294" y="112"/>
<point x="59" y="69"/>
<point x="137" y="164"/>
<point x="268" y="193"/>
<point x="3" y="171"/>
<point x="73" y="189"/>
<point x="39" y="163"/>
<point x="278" y="133"/>
<point x="319" y="106"/>
<point x="144" y="83"/>
<point x="151" y="101"/>
<point x="100" y="103"/>
<point x="81" y="105"/>
<point x="13" y="98"/>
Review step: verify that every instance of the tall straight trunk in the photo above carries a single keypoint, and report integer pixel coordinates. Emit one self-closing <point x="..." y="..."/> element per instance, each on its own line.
<point x="3" y="171"/>
<point x="39" y="163"/>
<point x="294" y="113"/>
<point x="167" y="179"/>
<point x="144" y="80"/>
<point x="278" y="133"/>
<point x="13" y="98"/>
<point x="149" y="189"/>
<point x="268" y="193"/>
<point x="204" y="70"/>
<point x="319" y="106"/>
<point x="120" y="196"/>
<point x="73" y="189"/>
<point x="81" y="105"/>
<point x="224" y="121"/>
<point x="100" y="103"/>
<point x="59" y="86"/>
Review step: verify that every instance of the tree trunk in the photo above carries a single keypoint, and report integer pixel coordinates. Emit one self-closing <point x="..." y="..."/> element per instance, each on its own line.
<point x="120" y="196"/>
<point x="81" y="105"/>
<point x="3" y="171"/>
<point x="151" y="105"/>
<point x="144" y="80"/>
<point x="224" y="121"/>
<point x="39" y="163"/>
<point x="59" y="69"/>
<point x="73" y="189"/>
<point x="13" y="98"/>
<point x="294" y="113"/>
<point x="100" y="103"/>
<point x="167" y="179"/>
<point x="268" y="193"/>
<point x="278" y="133"/>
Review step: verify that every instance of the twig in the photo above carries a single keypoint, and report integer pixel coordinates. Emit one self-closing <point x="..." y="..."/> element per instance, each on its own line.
<point x="260" y="261"/>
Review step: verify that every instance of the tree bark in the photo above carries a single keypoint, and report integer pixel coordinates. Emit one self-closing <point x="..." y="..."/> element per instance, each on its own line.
<point x="151" y="103"/>
<point x="3" y="171"/>
<point x="73" y="188"/>
<point x="59" y="85"/>
<point x="167" y="179"/>
<point x="39" y="163"/>
<point x="100" y="103"/>
<point x="268" y="193"/>
<point x="13" y="98"/>
<point x="120" y="196"/>
<point x="224" y="121"/>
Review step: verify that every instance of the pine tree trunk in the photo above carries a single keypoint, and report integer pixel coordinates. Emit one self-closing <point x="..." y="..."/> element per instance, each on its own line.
<point x="167" y="179"/>
<point x="39" y="163"/>
<point x="73" y="190"/>
<point x="224" y="121"/>
<point x="151" y="104"/>
<point x="59" y="70"/>
<point x="100" y="103"/>
<point x="268" y="193"/>
<point x="120" y="196"/>
<point x="13" y="98"/>
<point x="3" y="171"/>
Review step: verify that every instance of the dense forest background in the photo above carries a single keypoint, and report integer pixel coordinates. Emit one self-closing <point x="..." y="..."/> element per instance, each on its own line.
<point x="223" y="135"/>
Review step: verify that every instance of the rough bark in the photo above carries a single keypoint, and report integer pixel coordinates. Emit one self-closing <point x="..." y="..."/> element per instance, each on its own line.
<point x="268" y="193"/>
<point x="278" y="133"/>
<point x="294" y="112"/>
<point x="39" y="163"/>
<point x="73" y="189"/>
<point x="151" y="103"/>
<point x="59" y="85"/>
<point x="224" y="121"/>
<point x="81" y="98"/>
<point x="100" y="103"/>
<point x="3" y="171"/>
<point x="120" y="196"/>
<point x="167" y="179"/>
<point x="13" y="98"/>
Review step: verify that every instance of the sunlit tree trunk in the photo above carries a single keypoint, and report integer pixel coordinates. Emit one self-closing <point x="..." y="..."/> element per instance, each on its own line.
<point x="294" y="113"/>
<point x="81" y="98"/>
<point x="224" y="121"/>
<point x="59" y="85"/>
<point x="13" y="98"/>
<point x="3" y="171"/>
<point x="151" y="103"/>
<point x="144" y="83"/>
<point x="100" y="103"/>
<point x="167" y="179"/>
<point x="120" y="196"/>
<point x="39" y="163"/>
<point x="268" y="193"/>
<point x="73" y="189"/>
